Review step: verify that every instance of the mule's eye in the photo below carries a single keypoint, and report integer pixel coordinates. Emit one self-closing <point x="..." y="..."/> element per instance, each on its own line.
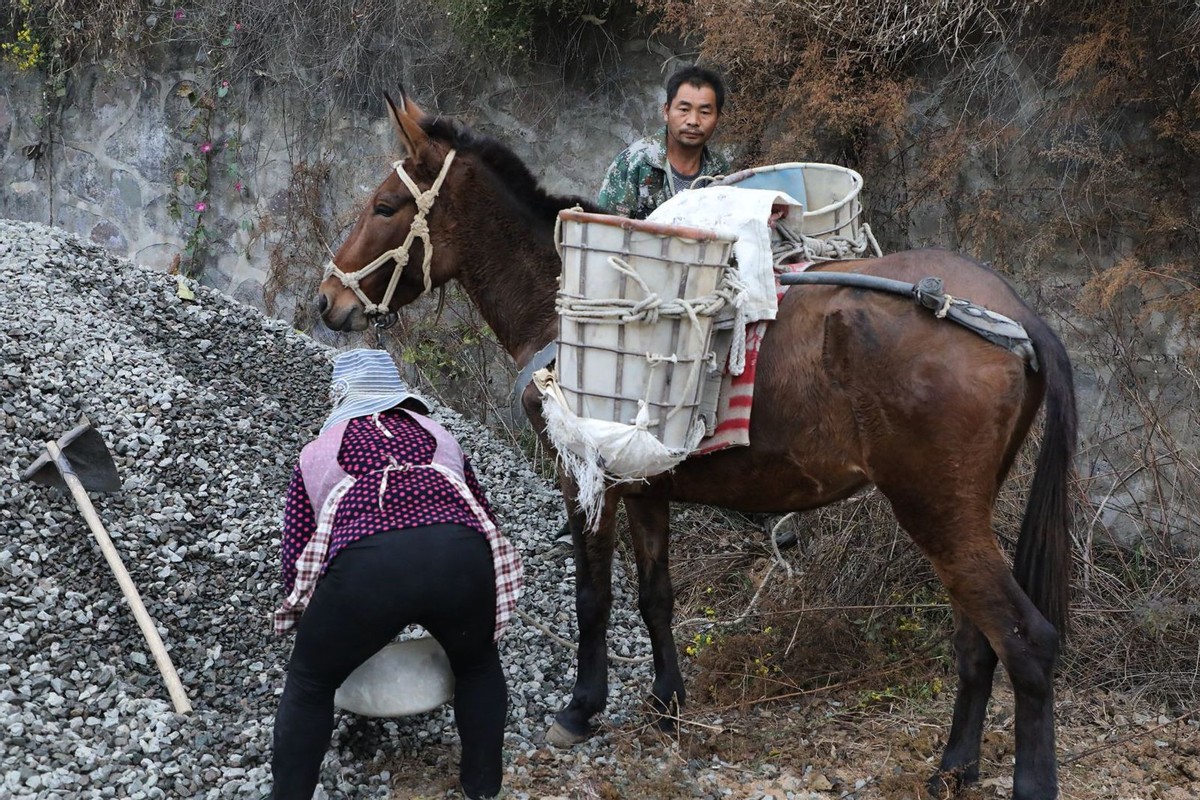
<point x="384" y="210"/>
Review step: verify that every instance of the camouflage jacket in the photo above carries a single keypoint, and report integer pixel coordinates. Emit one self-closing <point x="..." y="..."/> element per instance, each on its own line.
<point x="636" y="183"/>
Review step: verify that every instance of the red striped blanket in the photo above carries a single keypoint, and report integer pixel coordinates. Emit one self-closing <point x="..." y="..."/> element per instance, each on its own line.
<point x="737" y="391"/>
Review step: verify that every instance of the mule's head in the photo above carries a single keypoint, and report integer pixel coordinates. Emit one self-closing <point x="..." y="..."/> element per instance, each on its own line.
<point x="398" y="249"/>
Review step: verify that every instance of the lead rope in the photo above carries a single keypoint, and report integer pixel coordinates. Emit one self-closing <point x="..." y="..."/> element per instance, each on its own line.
<point x="545" y="629"/>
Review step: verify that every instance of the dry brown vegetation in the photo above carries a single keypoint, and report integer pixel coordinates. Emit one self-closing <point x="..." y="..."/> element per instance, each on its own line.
<point x="940" y="103"/>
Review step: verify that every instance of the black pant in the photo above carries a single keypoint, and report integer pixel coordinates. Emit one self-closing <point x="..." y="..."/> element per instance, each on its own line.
<point x="439" y="577"/>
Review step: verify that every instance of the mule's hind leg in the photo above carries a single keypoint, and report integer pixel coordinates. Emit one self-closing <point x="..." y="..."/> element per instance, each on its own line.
<point x="969" y="563"/>
<point x="1029" y="654"/>
<point x="976" y="663"/>
<point x="593" y="602"/>
<point x="1027" y="645"/>
<point x="649" y="524"/>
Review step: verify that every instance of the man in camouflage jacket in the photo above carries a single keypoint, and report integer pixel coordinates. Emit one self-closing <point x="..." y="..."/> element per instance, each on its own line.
<point x="645" y="174"/>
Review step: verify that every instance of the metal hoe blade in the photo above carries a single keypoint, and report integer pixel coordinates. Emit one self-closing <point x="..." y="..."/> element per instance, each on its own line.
<point x="88" y="457"/>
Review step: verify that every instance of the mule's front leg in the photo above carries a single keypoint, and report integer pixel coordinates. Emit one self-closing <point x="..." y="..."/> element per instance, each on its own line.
<point x="593" y="602"/>
<point x="649" y="525"/>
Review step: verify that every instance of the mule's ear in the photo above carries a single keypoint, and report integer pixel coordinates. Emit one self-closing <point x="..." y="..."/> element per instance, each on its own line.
<point x="406" y="105"/>
<point x="414" y="110"/>
<point x="407" y="126"/>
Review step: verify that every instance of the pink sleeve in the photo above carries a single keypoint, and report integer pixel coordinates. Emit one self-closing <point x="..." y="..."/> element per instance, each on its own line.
<point x="299" y="525"/>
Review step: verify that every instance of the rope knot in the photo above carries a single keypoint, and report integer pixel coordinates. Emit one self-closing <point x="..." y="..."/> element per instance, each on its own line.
<point x="945" y="309"/>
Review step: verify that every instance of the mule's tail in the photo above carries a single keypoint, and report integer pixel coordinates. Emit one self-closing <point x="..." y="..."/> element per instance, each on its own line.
<point x="1043" y="559"/>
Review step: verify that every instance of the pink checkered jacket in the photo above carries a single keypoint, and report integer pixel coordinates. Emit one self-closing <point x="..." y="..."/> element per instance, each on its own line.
<point x="321" y="478"/>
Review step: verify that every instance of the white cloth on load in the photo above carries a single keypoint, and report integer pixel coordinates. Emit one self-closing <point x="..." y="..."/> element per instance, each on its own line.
<point x="743" y="213"/>
<point x="599" y="453"/>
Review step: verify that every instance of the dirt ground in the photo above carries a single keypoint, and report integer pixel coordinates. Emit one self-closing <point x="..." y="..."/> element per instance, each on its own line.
<point x="1114" y="747"/>
<point x="860" y="707"/>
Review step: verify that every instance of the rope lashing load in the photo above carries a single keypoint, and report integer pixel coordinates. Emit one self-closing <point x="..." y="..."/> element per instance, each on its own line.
<point x="792" y="246"/>
<point x="637" y="304"/>
<point x="652" y="307"/>
<point x="601" y="452"/>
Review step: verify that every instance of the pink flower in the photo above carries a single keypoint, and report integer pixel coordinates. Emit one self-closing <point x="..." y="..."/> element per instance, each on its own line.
<point x="206" y="147"/>
<point x="178" y="14"/>
<point x="225" y="84"/>
<point x="237" y="26"/>
<point x="201" y="206"/>
<point x="237" y="187"/>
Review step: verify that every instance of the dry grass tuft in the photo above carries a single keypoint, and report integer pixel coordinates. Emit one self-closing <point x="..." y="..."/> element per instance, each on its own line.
<point x="862" y="612"/>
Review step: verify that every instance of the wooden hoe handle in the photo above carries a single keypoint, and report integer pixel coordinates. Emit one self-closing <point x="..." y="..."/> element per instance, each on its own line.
<point x="174" y="685"/>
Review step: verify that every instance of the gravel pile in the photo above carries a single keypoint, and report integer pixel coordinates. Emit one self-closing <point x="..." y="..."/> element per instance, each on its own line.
<point x="204" y="404"/>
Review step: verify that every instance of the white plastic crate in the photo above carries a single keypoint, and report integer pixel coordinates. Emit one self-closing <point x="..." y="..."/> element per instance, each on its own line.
<point x="829" y="194"/>
<point x="607" y="370"/>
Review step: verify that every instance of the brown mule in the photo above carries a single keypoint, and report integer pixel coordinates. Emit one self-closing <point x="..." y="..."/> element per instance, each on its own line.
<point x="853" y="388"/>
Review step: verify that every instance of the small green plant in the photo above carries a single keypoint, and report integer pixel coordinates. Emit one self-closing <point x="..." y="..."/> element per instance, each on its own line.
<point x="188" y="202"/>
<point x="764" y="666"/>
<point x="515" y="31"/>
<point x="916" y="690"/>
<point x="700" y="642"/>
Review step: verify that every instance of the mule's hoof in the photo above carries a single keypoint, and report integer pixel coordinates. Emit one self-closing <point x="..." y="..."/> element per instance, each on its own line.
<point x="559" y="736"/>
<point x="945" y="784"/>
<point x="665" y="715"/>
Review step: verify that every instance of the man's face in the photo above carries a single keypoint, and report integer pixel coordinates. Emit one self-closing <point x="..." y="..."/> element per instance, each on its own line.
<point x="692" y="115"/>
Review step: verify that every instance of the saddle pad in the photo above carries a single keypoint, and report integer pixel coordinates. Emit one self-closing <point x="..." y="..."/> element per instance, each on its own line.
<point x="732" y="428"/>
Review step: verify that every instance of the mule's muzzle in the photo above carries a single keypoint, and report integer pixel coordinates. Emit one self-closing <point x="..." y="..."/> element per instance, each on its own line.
<point x="344" y="316"/>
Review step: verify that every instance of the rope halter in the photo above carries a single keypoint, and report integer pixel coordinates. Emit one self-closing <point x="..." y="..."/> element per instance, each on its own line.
<point x="418" y="229"/>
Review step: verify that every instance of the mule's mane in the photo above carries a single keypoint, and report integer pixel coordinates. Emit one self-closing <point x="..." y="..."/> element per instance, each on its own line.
<point x="504" y="164"/>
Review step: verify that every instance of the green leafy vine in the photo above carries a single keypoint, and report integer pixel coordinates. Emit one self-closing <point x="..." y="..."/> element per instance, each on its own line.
<point x="192" y="181"/>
